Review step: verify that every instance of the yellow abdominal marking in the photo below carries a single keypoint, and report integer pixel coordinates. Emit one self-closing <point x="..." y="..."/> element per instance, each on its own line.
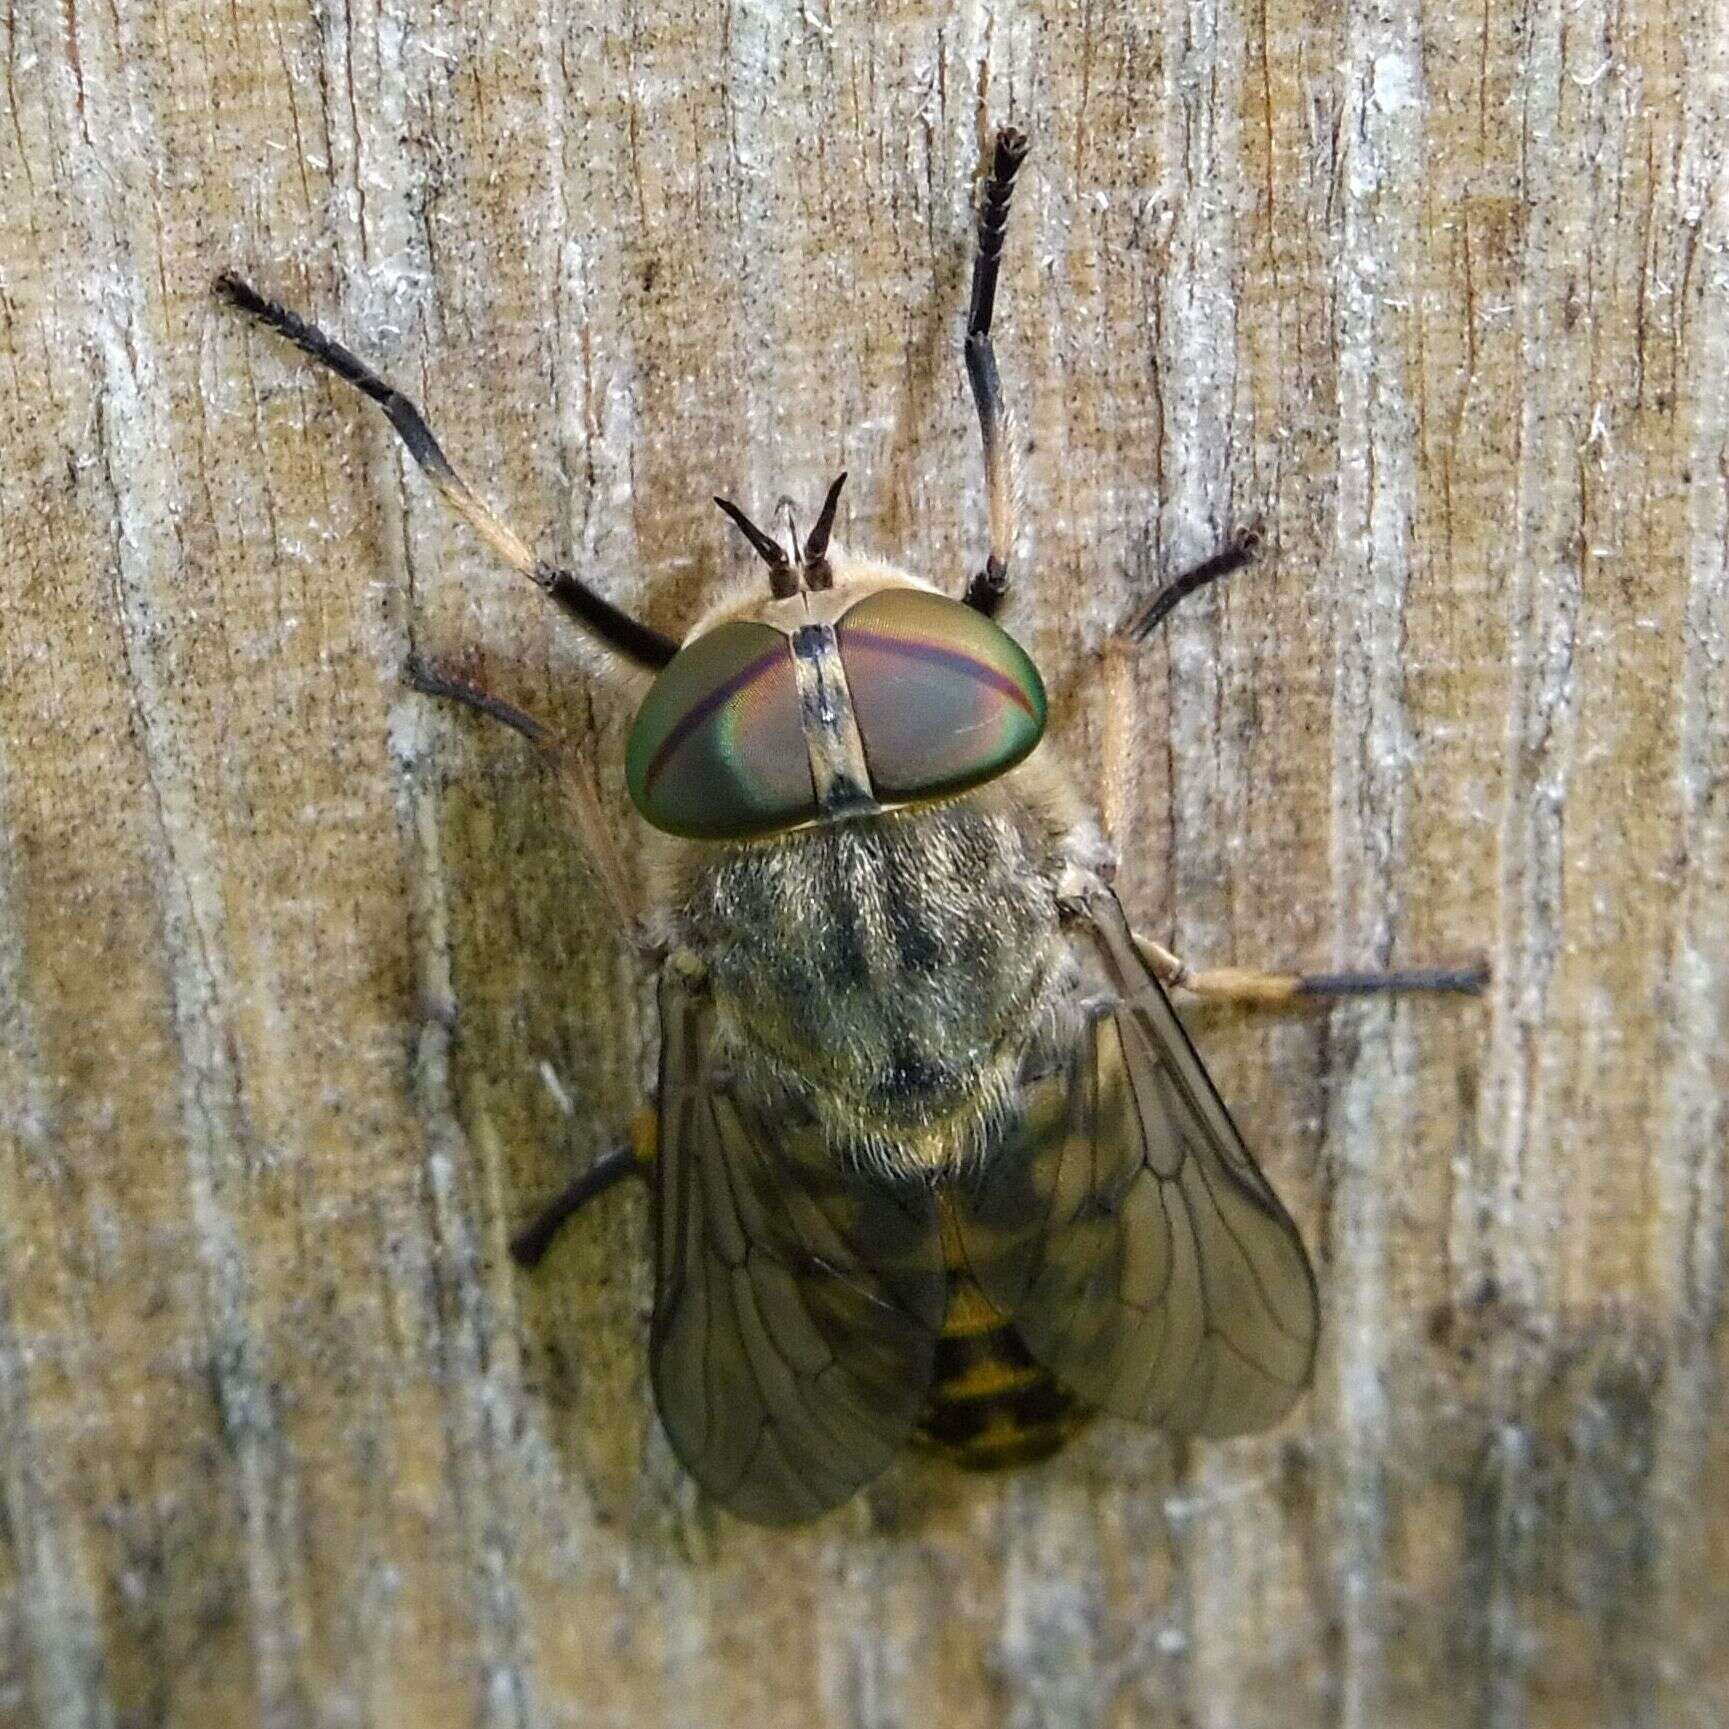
<point x="988" y="1379"/>
<point x="970" y="1311"/>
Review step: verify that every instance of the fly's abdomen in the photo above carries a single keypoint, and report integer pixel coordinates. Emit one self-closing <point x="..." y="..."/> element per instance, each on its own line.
<point x="992" y="1406"/>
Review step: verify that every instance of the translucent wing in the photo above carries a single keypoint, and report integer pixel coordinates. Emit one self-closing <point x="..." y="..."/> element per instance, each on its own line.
<point x="796" y="1302"/>
<point x="1125" y="1229"/>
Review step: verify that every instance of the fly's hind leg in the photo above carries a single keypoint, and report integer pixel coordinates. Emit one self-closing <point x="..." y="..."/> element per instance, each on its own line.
<point x="575" y="781"/>
<point x="630" y="1158"/>
<point x="633" y="1157"/>
<point x="1270" y="989"/>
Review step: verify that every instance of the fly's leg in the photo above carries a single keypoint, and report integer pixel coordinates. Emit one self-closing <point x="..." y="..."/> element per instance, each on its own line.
<point x="417" y="675"/>
<point x="627" y="637"/>
<point x="575" y="782"/>
<point x="529" y="1246"/>
<point x="986" y="590"/>
<point x="1242" y="549"/>
<point x="1121" y="748"/>
<point x="1247" y="985"/>
<point x="631" y="1158"/>
<point x="1240" y="984"/>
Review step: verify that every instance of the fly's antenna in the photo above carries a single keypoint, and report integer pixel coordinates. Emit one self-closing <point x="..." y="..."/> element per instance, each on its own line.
<point x="782" y="579"/>
<point x="817" y="572"/>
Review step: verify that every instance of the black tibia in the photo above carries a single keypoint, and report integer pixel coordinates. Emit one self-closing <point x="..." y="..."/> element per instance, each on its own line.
<point x="1242" y="550"/>
<point x="421" y="677"/>
<point x="528" y="1248"/>
<point x="624" y="635"/>
<point x="986" y="590"/>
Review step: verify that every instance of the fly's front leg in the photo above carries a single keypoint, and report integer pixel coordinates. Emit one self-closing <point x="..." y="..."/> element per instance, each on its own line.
<point x="1265" y="989"/>
<point x="627" y="637"/>
<point x="575" y="781"/>
<point x="986" y="590"/>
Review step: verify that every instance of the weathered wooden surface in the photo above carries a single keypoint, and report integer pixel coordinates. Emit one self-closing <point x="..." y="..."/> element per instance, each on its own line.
<point x="294" y="970"/>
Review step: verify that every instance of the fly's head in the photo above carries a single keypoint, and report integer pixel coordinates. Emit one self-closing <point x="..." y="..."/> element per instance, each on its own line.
<point x="851" y="690"/>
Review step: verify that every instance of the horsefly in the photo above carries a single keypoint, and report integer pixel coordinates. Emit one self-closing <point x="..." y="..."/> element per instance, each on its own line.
<point x="933" y="1159"/>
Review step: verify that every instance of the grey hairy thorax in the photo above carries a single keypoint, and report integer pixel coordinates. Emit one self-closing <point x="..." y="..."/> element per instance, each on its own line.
<point x="893" y="973"/>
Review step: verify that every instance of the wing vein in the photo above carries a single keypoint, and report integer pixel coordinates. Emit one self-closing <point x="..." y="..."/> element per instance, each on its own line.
<point x="1190" y="1303"/>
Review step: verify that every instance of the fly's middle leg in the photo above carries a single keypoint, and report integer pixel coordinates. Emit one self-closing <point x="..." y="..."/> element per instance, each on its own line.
<point x="575" y="781"/>
<point x="1122" y="748"/>
<point x="1273" y="988"/>
<point x="1238" y="984"/>
<point x="1242" y="549"/>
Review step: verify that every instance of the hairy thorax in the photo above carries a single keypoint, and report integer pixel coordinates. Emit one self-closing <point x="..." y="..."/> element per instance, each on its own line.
<point x="887" y="975"/>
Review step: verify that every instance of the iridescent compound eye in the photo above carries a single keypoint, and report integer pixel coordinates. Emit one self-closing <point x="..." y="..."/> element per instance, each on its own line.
<point x="944" y="698"/>
<point x="717" y="751"/>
